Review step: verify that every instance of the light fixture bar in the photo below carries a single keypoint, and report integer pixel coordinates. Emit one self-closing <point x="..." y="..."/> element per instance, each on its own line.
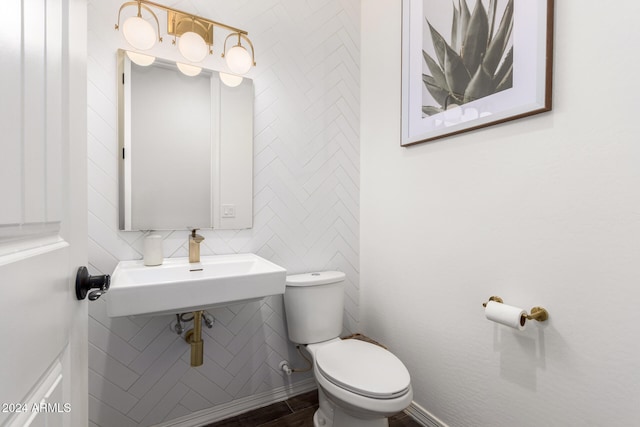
<point x="200" y="18"/>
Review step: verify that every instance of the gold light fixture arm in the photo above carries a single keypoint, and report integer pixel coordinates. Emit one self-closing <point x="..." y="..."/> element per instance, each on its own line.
<point x="140" y="6"/>
<point x="127" y="4"/>
<point x="243" y="36"/>
<point x="224" y="46"/>
<point x="253" y="57"/>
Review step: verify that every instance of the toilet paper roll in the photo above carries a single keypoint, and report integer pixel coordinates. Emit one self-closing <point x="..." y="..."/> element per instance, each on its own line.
<point x="153" y="250"/>
<point x="507" y="315"/>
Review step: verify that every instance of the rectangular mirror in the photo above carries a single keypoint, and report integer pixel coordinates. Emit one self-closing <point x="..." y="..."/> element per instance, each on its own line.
<point x="186" y="149"/>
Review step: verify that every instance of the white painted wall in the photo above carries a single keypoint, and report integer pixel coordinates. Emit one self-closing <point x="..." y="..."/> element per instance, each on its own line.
<point x="306" y="208"/>
<point x="542" y="211"/>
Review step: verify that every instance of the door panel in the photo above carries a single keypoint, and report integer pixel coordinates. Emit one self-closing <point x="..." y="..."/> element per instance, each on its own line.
<point x="43" y="224"/>
<point x="10" y="113"/>
<point x="35" y="328"/>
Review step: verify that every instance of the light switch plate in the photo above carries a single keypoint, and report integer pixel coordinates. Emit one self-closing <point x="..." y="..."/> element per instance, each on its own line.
<point x="228" y="211"/>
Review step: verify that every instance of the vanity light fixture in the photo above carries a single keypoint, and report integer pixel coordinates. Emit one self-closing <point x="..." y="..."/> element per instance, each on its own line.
<point x="191" y="44"/>
<point x="195" y="35"/>
<point x="230" y="80"/>
<point x="238" y="59"/>
<point x="136" y="30"/>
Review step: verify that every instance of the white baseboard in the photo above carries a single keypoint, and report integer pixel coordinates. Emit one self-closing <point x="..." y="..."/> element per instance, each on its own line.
<point x="239" y="406"/>
<point x="423" y="417"/>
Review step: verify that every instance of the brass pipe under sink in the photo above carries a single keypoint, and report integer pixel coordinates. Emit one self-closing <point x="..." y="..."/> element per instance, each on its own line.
<point x="194" y="337"/>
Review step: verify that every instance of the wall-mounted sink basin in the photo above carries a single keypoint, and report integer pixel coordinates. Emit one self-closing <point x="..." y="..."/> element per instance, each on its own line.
<point x="177" y="286"/>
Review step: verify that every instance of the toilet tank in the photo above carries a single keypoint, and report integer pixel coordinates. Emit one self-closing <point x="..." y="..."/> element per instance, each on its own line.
<point x="313" y="305"/>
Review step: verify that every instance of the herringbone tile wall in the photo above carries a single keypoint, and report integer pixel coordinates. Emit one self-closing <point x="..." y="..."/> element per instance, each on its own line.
<point x="306" y="190"/>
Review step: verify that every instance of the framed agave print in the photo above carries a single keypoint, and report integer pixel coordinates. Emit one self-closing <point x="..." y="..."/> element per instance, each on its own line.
<point x="468" y="64"/>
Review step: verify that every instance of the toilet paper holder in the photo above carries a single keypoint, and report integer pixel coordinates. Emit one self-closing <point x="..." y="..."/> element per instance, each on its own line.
<point x="537" y="313"/>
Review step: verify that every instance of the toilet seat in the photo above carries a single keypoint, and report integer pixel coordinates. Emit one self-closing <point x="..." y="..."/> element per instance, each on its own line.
<point x="363" y="368"/>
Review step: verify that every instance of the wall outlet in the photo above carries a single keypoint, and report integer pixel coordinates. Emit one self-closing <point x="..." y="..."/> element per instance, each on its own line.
<point x="228" y="211"/>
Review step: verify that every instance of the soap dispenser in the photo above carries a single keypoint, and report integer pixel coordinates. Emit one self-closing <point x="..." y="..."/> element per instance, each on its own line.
<point x="153" y="250"/>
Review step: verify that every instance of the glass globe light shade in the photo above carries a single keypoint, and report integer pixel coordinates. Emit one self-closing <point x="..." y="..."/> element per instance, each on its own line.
<point x="188" y="70"/>
<point x="140" y="58"/>
<point x="139" y="33"/>
<point x="192" y="46"/>
<point x="230" y="80"/>
<point x="238" y="59"/>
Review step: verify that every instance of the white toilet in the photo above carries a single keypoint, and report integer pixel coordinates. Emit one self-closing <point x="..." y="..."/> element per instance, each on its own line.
<point x="359" y="384"/>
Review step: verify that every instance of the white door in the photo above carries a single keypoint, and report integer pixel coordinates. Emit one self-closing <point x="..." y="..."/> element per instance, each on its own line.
<point x="43" y="212"/>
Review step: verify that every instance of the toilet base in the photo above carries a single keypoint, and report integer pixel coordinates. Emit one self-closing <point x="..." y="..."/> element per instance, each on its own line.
<point x="331" y="415"/>
<point x="321" y="421"/>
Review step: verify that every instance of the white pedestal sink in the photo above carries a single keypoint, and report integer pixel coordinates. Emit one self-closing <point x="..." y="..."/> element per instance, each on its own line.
<point x="178" y="286"/>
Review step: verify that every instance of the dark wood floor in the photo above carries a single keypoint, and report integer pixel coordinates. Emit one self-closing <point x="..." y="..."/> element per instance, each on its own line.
<point x="295" y="412"/>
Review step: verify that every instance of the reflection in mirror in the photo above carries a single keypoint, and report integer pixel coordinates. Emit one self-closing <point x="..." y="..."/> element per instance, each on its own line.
<point x="186" y="148"/>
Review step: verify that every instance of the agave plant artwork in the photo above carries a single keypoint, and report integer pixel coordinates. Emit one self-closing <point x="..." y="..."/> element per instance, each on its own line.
<point x="478" y="60"/>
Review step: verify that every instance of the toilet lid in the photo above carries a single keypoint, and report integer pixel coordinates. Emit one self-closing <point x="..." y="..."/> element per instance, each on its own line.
<point x="363" y="368"/>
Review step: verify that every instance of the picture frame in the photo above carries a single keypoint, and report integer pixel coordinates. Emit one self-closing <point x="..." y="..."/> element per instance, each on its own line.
<point x="473" y="64"/>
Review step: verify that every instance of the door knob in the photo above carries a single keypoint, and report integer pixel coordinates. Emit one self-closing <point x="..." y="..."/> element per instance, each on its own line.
<point x="86" y="282"/>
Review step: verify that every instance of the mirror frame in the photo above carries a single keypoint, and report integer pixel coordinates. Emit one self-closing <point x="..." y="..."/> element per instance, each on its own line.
<point x="231" y="186"/>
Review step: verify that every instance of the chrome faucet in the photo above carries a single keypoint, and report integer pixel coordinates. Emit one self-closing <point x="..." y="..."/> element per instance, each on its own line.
<point x="194" y="246"/>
